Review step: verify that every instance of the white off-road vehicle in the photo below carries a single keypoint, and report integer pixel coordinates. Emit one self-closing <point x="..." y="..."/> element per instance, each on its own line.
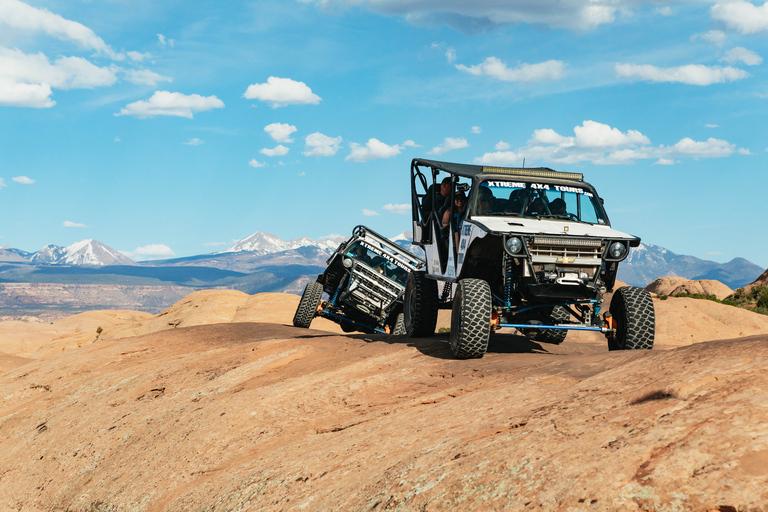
<point x="532" y="249"/>
<point x="365" y="283"/>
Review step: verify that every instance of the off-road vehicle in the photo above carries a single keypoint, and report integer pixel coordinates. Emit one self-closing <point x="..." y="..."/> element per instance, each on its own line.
<point x="532" y="249"/>
<point x="365" y="282"/>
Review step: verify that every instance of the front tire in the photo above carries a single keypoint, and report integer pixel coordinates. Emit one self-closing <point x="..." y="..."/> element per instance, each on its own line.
<point x="632" y="308"/>
<point x="420" y="306"/>
<point x="398" y="328"/>
<point x="559" y="315"/>
<point x="308" y="305"/>
<point x="471" y="319"/>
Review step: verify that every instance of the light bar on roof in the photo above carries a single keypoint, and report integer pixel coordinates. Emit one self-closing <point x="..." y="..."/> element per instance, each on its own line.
<point x="573" y="242"/>
<point x="537" y="173"/>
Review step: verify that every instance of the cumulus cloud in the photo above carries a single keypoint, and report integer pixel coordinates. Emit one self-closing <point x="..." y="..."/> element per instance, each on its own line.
<point x="164" y="42"/>
<point x="369" y="213"/>
<point x="400" y="209"/>
<point x="410" y="144"/>
<point x="26" y="80"/>
<point x="374" y="149"/>
<point x="280" y="132"/>
<point x="493" y="67"/>
<point x="480" y="14"/>
<point x="601" y="144"/>
<point x="476" y="129"/>
<point x="194" y="142"/>
<point x="743" y="17"/>
<point x="255" y="163"/>
<point x="691" y="74"/>
<point x="145" y="77"/>
<point x="138" y="56"/>
<point x="23" y="180"/>
<point x="449" y="144"/>
<point x="19" y="16"/>
<point x="713" y="36"/>
<point x="278" y="150"/>
<point x="164" y="103"/>
<point x="317" y="144"/>
<point x="69" y="224"/>
<point x="739" y="54"/>
<point x="664" y="11"/>
<point x="501" y="146"/>
<point x="149" y="252"/>
<point x="280" y="92"/>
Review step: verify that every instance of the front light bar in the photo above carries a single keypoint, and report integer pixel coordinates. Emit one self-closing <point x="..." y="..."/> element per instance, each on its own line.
<point x="567" y="241"/>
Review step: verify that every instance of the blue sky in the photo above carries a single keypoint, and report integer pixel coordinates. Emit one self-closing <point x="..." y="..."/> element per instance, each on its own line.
<point x="173" y="128"/>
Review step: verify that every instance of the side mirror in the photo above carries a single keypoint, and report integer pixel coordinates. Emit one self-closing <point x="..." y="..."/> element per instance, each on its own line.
<point x="462" y="187"/>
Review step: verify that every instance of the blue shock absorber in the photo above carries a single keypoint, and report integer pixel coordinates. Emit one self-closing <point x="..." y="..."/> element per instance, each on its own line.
<point x="338" y="291"/>
<point x="509" y="285"/>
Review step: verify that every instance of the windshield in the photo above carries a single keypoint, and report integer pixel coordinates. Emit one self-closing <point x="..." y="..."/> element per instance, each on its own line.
<point x="538" y="200"/>
<point x="383" y="264"/>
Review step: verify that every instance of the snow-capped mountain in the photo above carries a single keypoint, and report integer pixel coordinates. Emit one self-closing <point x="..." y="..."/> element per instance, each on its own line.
<point x="84" y="252"/>
<point x="261" y="243"/>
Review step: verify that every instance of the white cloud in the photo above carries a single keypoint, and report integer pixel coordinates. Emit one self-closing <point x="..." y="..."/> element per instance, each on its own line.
<point x="480" y="14"/>
<point x="743" y="151"/>
<point x="743" y="17"/>
<point x="712" y="126"/>
<point x="194" y="142"/>
<point x="2" y="181"/>
<point x="255" y="163"/>
<point x="278" y="150"/>
<point x="69" y="224"/>
<point x="400" y="209"/>
<point x="410" y="144"/>
<point x="374" y="149"/>
<point x="138" y="56"/>
<point x="317" y="144"/>
<point x="151" y="251"/>
<point x="501" y="146"/>
<point x="449" y="144"/>
<point x="279" y="92"/>
<point x="739" y="54"/>
<point x="691" y="74"/>
<point x="23" y="180"/>
<point x="164" y="103"/>
<point x="145" y="77"/>
<point x="280" y="132"/>
<point x="369" y="213"/>
<point x="163" y="42"/>
<point x="493" y="67"/>
<point x="476" y="129"/>
<point x="450" y="55"/>
<point x="22" y="17"/>
<point x="664" y="11"/>
<point x="27" y="80"/>
<point x="713" y="36"/>
<point x="116" y="139"/>
<point x="601" y="144"/>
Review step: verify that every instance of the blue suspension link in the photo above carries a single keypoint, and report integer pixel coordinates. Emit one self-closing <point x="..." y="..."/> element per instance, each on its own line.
<point x="509" y="285"/>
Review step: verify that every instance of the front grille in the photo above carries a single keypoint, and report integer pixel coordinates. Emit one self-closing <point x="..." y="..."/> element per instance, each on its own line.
<point x="376" y="284"/>
<point x="563" y="250"/>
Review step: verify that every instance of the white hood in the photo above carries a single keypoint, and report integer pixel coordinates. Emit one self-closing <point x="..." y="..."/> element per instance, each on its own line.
<point x="547" y="227"/>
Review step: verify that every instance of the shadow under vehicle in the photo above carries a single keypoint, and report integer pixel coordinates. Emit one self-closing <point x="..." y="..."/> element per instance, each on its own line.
<point x="533" y="250"/>
<point x="365" y="283"/>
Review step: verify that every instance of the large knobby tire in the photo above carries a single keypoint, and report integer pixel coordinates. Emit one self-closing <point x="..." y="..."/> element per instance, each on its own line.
<point x="420" y="305"/>
<point x="471" y="319"/>
<point x="308" y="305"/>
<point x="559" y="315"/>
<point x="398" y="327"/>
<point x="632" y="308"/>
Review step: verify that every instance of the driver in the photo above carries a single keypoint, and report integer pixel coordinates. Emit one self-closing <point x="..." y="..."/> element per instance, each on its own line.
<point x="557" y="207"/>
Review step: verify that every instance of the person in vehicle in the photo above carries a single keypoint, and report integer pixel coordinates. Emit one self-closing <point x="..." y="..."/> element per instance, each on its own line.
<point x="536" y="208"/>
<point x="557" y="207"/>
<point x="484" y="201"/>
<point x="453" y="216"/>
<point x="427" y="205"/>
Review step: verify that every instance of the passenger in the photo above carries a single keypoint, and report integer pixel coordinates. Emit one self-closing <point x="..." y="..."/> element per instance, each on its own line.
<point x="484" y="201"/>
<point x="536" y="207"/>
<point x="516" y="201"/>
<point x="428" y="206"/>
<point x="453" y="216"/>
<point x="557" y="207"/>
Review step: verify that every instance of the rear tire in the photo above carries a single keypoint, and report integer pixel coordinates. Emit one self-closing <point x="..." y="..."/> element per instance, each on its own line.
<point x="632" y="308"/>
<point x="559" y="315"/>
<point x="308" y="305"/>
<point x="420" y="305"/>
<point x="471" y="319"/>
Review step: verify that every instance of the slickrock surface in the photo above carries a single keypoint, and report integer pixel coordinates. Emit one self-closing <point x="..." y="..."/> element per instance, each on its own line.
<point x="675" y="285"/>
<point x="259" y="415"/>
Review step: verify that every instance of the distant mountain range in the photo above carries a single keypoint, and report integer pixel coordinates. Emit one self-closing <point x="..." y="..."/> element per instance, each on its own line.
<point x="264" y="262"/>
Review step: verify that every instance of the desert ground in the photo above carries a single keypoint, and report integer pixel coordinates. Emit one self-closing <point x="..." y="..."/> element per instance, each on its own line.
<point x="219" y="404"/>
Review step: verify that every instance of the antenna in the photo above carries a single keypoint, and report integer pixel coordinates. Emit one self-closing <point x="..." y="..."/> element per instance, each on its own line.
<point x="523" y="163"/>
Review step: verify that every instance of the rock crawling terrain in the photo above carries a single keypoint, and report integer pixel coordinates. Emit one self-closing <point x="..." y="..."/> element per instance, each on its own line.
<point x="176" y="413"/>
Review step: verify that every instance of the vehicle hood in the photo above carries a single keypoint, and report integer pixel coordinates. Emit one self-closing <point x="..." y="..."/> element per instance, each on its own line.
<point x="547" y="227"/>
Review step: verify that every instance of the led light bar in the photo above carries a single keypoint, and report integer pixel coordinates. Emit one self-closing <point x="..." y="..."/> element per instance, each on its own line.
<point x="537" y="173"/>
<point x="568" y="241"/>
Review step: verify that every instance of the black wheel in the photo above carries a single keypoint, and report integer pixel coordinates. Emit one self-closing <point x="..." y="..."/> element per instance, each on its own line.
<point x="559" y="315"/>
<point x="398" y="327"/>
<point x="308" y="305"/>
<point x="471" y="319"/>
<point x="420" y="306"/>
<point x="348" y="327"/>
<point x="632" y="308"/>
